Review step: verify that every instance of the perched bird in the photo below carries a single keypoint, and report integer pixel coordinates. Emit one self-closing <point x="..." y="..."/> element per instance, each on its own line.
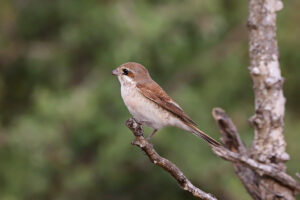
<point x="150" y="105"/>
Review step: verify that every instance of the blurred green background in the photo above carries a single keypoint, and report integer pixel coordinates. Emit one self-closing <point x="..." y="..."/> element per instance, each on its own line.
<point x="62" y="132"/>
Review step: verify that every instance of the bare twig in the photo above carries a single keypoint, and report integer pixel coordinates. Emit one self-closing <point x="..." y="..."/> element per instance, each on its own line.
<point x="232" y="141"/>
<point x="167" y="165"/>
<point x="230" y="136"/>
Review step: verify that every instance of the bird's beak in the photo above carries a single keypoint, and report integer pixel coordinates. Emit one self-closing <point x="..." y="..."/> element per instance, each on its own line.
<point x="115" y="72"/>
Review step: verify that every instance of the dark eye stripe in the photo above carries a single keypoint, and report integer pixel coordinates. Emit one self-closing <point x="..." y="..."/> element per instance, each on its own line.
<point x="125" y="71"/>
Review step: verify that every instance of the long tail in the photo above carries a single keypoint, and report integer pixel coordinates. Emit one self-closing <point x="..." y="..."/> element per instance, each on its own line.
<point x="204" y="136"/>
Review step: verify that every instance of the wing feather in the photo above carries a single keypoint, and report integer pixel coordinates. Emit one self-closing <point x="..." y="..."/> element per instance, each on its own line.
<point x="156" y="94"/>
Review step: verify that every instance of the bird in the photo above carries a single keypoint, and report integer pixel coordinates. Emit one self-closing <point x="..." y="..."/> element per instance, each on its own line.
<point x="150" y="105"/>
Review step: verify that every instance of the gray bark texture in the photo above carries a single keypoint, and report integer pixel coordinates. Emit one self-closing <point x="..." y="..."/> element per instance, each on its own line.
<point x="269" y="145"/>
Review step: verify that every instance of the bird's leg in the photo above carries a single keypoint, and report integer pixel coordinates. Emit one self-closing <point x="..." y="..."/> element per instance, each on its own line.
<point x="150" y="136"/>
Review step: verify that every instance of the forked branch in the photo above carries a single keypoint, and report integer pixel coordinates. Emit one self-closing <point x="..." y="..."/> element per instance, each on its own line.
<point x="236" y="152"/>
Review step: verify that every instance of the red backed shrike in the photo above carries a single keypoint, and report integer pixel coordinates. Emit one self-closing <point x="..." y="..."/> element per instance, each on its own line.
<point x="150" y="105"/>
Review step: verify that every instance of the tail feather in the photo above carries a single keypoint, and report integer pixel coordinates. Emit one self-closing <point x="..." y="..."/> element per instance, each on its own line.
<point x="204" y="136"/>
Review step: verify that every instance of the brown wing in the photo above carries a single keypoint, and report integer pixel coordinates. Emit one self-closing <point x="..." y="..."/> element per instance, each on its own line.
<point x="156" y="94"/>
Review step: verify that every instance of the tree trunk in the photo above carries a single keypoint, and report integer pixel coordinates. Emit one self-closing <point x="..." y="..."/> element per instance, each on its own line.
<point x="269" y="144"/>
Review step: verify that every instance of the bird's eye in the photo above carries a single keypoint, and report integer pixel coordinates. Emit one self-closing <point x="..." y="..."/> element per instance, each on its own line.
<point x="125" y="71"/>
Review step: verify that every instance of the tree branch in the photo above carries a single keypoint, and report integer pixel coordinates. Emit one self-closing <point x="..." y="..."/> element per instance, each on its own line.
<point x="167" y="165"/>
<point x="236" y="152"/>
<point x="248" y="169"/>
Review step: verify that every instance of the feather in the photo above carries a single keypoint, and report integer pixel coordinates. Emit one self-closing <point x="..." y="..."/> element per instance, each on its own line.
<point x="155" y="93"/>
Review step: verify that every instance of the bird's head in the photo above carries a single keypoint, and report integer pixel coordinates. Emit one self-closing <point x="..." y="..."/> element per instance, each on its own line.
<point x="131" y="73"/>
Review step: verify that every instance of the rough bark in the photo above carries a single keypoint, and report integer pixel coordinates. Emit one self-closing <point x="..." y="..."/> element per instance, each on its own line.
<point x="268" y="144"/>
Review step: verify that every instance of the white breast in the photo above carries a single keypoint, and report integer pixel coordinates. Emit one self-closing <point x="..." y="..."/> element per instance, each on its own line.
<point x="144" y="110"/>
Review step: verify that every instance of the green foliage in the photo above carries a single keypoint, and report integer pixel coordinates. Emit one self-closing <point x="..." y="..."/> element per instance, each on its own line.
<point x="62" y="133"/>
